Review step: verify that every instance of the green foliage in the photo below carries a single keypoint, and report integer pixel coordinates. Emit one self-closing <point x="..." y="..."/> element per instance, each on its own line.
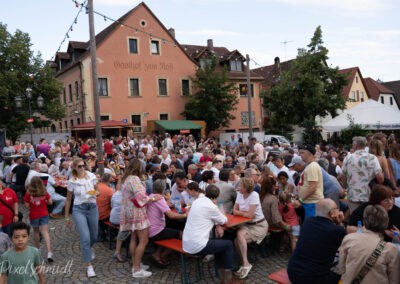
<point x="215" y="98"/>
<point x="308" y="88"/>
<point x="347" y="134"/>
<point x="20" y="68"/>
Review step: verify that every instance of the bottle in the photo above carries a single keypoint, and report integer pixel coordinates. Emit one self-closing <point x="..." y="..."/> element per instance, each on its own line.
<point x="221" y="207"/>
<point x="359" y="227"/>
<point x="177" y="204"/>
<point x="396" y="239"/>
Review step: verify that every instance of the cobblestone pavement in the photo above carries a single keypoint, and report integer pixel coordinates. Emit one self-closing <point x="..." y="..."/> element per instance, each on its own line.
<point x="69" y="268"/>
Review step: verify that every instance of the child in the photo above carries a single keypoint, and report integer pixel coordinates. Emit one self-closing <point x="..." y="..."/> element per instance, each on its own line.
<point x="21" y="264"/>
<point x="37" y="199"/>
<point x="288" y="213"/>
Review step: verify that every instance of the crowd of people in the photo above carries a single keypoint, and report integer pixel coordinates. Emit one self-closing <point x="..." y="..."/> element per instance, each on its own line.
<point x="335" y="207"/>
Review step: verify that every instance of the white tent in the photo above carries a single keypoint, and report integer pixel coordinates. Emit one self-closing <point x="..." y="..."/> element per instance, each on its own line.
<point x="370" y="115"/>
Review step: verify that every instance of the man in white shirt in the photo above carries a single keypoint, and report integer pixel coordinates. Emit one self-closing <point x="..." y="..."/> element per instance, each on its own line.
<point x="179" y="188"/>
<point x="202" y="217"/>
<point x="258" y="149"/>
<point x="216" y="167"/>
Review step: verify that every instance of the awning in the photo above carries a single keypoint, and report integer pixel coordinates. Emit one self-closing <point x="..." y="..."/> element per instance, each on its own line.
<point x="173" y="125"/>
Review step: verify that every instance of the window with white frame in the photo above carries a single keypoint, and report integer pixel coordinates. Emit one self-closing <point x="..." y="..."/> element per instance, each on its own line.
<point x="103" y="87"/>
<point x="185" y="84"/>
<point x="163" y="116"/>
<point x="155" y="47"/>
<point x="162" y="87"/>
<point x="134" y="87"/>
<point x="236" y="65"/>
<point x="133" y="47"/>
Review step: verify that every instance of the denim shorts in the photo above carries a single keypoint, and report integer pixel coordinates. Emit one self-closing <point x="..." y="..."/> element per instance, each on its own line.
<point x="40" y="221"/>
<point x="296" y="230"/>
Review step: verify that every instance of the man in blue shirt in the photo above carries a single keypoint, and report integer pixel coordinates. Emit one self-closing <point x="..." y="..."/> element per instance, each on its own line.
<point x="316" y="248"/>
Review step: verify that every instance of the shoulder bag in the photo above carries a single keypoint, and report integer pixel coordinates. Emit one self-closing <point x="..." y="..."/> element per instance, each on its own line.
<point x="370" y="262"/>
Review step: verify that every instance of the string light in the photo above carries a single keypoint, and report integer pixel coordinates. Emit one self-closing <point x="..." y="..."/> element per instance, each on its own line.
<point x="70" y="29"/>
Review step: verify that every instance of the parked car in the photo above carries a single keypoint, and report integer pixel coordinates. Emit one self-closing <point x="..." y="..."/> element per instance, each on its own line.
<point x="276" y="139"/>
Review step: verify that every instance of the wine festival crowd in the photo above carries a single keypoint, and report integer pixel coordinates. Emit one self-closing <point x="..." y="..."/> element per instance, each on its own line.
<point x="334" y="208"/>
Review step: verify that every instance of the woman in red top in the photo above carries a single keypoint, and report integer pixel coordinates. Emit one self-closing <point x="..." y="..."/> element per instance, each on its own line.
<point x="8" y="208"/>
<point x="37" y="199"/>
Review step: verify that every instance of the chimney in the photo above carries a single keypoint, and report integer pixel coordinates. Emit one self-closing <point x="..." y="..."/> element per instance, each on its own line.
<point x="210" y="44"/>
<point x="172" y="32"/>
<point x="277" y="62"/>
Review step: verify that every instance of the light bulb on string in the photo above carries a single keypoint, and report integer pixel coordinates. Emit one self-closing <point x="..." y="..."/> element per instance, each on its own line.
<point x="71" y="29"/>
<point x="105" y="19"/>
<point x="76" y="20"/>
<point x="67" y="35"/>
<point x="76" y="4"/>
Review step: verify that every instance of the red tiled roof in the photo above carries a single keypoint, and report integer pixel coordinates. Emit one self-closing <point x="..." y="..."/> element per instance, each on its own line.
<point x="63" y="55"/>
<point x="375" y="89"/>
<point x="395" y="87"/>
<point x="351" y="74"/>
<point x="78" y="44"/>
<point x="103" y="124"/>
<point x="195" y="52"/>
<point x="270" y="73"/>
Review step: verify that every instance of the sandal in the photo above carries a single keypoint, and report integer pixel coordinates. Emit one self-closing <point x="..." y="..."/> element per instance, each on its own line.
<point x="239" y="271"/>
<point x="245" y="271"/>
<point x="119" y="258"/>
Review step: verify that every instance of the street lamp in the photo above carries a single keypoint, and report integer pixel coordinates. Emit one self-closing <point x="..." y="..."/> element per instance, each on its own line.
<point x="28" y="96"/>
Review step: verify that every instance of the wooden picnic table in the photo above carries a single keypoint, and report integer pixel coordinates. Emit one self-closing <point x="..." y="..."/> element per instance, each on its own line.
<point x="234" y="220"/>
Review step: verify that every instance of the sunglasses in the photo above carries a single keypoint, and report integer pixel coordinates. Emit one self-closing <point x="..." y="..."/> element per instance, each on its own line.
<point x="81" y="166"/>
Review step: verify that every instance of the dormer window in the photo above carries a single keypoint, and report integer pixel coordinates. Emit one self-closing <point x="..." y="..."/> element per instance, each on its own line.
<point x="236" y="65"/>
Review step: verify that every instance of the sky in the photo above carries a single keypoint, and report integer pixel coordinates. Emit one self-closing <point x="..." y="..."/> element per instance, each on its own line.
<point x="363" y="33"/>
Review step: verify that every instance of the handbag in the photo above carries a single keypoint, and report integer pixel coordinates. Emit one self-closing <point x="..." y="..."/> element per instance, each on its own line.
<point x="20" y="215"/>
<point x="370" y="262"/>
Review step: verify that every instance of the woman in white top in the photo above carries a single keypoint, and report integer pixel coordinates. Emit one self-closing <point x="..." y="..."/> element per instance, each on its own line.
<point x="203" y="216"/>
<point x="248" y="205"/>
<point x="83" y="185"/>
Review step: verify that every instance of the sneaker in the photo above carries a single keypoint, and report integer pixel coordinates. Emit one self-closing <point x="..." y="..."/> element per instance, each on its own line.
<point x="141" y="274"/>
<point x="144" y="266"/>
<point x="50" y="257"/>
<point x="93" y="255"/>
<point x="90" y="272"/>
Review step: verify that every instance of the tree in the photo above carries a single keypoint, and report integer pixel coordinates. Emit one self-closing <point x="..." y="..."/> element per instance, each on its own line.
<point x="215" y="98"/>
<point x="309" y="88"/>
<point x="20" y="68"/>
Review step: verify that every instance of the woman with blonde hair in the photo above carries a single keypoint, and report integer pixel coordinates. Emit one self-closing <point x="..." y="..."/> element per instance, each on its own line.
<point x="83" y="185"/>
<point x="248" y="205"/>
<point x="134" y="215"/>
<point x="376" y="148"/>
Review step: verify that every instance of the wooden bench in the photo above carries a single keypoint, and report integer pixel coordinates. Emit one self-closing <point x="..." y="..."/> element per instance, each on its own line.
<point x="176" y="245"/>
<point x="280" y="276"/>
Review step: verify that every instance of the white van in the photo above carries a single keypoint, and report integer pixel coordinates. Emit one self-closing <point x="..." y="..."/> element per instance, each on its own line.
<point x="278" y="139"/>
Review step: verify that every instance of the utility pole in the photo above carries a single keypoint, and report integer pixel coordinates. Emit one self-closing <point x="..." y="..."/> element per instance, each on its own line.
<point x="249" y="96"/>
<point x="96" y="103"/>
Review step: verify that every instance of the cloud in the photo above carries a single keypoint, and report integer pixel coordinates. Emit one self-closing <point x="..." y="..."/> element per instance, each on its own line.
<point x="353" y="8"/>
<point x="213" y="33"/>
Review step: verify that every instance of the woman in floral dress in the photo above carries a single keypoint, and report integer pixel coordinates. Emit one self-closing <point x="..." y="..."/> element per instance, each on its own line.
<point x="134" y="215"/>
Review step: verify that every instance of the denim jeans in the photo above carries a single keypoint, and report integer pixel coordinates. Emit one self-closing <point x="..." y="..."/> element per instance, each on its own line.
<point x="58" y="203"/>
<point x="223" y="251"/>
<point x="86" y="218"/>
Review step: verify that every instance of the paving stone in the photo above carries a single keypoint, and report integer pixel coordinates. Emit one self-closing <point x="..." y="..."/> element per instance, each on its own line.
<point x="65" y="243"/>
